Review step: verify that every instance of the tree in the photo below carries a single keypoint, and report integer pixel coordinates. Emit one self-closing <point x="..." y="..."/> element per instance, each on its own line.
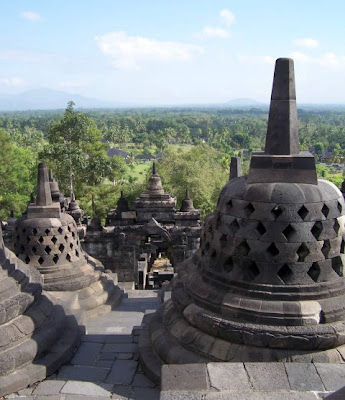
<point x="17" y="172"/>
<point x="200" y="169"/>
<point x="75" y="151"/>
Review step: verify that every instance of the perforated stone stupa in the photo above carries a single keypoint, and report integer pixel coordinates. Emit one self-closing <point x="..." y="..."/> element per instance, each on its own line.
<point x="267" y="283"/>
<point x="36" y="336"/>
<point x="48" y="240"/>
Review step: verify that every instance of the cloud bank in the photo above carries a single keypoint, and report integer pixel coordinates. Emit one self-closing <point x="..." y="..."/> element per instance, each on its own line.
<point x="130" y="52"/>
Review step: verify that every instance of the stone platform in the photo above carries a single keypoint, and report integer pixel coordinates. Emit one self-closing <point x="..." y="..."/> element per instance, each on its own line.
<point x="106" y="367"/>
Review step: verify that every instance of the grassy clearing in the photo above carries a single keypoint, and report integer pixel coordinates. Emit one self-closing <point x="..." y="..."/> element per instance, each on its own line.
<point x="139" y="171"/>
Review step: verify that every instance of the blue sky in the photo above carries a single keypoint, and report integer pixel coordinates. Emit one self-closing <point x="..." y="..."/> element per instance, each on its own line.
<point x="172" y="52"/>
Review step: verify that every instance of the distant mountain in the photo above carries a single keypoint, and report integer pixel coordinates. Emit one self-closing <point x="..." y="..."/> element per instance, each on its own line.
<point x="48" y="99"/>
<point x="244" y="102"/>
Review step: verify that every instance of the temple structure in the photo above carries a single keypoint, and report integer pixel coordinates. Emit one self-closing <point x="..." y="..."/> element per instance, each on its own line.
<point x="267" y="283"/>
<point x="48" y="240"/>
<point x="36" y="336"/>
<point x="152" y="229"/>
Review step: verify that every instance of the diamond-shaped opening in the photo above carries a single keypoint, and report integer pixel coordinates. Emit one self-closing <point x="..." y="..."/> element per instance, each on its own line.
<point x="60" y="230"/>
<point x="66" y="237"/>
<point x="261" y="228"/>
<point x="27" y="259"/>
<point x="77" y="253"/>
<point x="342" y="246"/>
<point x="61" y="248"/>
<point x="40" y="239"/>
<point x="228" y="265"/>
<point x="69" y="228"/>
<point x="243" y="248"/>
<point x="272" y="250"/>
<point x="340" y="207"/>
<point x="302" y="252"/>
<point x="326" y="248"/>
<point x="316" y="230"/>
<point x="71" y="246"/>
<point x="47" y="249"/>
<point x="249" y="209"/>
<point x="314" y="271"/>
<point x="285" y="273"/>
<point x="276" y="211"/>
<point x="234" y="226"/>
<point x="56" y="258"/>
<point x="303" y="212"/>
<point x="337" y="265"/>
<point x="253" y="271"/>
<point x="41" y="260"/>
<point x="34" y="231"/>
<point x="54" y="239"/>
<point x="27" y="239"/>
<point x="73" y="235"/>
<point x="218" y="221"/>
<point x="223" y="239"/>
<point x="288" y="231"/>
<point x="47" y="231"/>
<point x="229" y="203"/>
<point x="336" y="226"/>
<point x="34" y="250"/>
<point x="68" y="258"/>
<point x="325" y="210"/>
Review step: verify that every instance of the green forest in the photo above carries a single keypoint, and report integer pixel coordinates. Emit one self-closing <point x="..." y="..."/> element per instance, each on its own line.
<point x="196" y="143"/>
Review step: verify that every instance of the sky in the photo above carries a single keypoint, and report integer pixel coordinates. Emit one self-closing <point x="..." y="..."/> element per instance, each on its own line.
<point x="168" y="52"/>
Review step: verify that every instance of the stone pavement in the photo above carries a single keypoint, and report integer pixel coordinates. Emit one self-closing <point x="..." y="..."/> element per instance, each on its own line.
<point x="106" y="367"/>
<point x="253" y="381"/>
<point x="106" y="364"/>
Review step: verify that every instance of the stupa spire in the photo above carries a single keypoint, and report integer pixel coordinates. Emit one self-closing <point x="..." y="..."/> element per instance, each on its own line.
<point x="282" y="161"/>
<point x="282" y="129"/>
<point x="154" y="168"/>
<point x="44" y="197"/>
<point x="235" y="168"/>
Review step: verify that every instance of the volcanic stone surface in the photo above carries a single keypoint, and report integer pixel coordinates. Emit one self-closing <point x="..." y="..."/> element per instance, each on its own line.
<point x="36" y="336"/>
<point x="267" y="283"/>
<point x="48" y="240"/>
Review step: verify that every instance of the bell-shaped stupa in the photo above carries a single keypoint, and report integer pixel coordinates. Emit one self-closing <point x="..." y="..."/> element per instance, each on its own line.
<point x="48" y="240"/>
<point x="36" y="336"/>
<point x="267" y="283"/>
<point x="155" y="203"/>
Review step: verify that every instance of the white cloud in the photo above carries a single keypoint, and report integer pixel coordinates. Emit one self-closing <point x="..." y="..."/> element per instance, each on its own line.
<point x="12" y="82"/>
<point x="210" y="31"/>
<point x="306" y="42"/>
<point x="129" y="52"/>
<point x="328" y="60"/>
<point x="227" y="16"/>
<point x="31" y="16"/>
<point x="300" y="57"/>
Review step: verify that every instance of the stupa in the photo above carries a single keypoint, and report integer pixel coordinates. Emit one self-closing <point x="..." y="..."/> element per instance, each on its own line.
<point x="153" y="227"/>
<point x="267" y="282"/>
<point x="48" y="240"/>
<point x="155" y="202"/>
<point x="36" y="336"/>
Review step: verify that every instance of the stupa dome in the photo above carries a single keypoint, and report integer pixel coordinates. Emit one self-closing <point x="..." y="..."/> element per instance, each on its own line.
<point x="267" y="283"/>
